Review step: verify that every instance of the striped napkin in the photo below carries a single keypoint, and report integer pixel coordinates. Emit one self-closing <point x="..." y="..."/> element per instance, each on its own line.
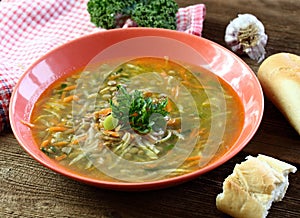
<point x="31" y="28"/>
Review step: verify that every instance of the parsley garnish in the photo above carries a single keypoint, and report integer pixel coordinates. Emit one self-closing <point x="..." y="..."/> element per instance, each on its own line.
<point x="136" y="111"/>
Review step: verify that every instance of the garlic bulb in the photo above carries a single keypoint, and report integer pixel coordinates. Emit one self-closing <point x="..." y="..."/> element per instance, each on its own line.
<point x="246" y="34"/>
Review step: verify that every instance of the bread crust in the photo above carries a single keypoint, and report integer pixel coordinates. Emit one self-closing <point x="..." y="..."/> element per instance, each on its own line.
<point x="279" y="76"/>
<point x="237" y="202"/>
<point x="252" y="187"/>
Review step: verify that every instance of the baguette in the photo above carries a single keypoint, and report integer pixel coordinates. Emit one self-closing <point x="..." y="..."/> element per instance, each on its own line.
<point x="279" y="76"/>
<point x="252" y="187"/>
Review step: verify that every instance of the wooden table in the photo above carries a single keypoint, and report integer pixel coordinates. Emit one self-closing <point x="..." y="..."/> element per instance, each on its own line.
<point x="28" y="189"/>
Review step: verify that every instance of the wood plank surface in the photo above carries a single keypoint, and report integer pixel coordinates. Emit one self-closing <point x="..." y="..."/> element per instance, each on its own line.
<point x="28" y="189"/>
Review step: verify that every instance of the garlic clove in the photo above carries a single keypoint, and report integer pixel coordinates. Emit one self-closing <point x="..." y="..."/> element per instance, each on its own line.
<point x="246" y="34"/>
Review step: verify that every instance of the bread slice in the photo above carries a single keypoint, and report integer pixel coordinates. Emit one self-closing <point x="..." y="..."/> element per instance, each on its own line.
<point x="252" y="187"/>
<point x="279" y="76"/>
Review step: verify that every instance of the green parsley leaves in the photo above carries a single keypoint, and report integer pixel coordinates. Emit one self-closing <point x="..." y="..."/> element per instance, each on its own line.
<point x="139" y="112"/>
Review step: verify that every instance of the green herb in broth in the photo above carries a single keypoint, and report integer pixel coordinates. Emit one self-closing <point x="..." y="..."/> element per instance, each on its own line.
<point x="134" y="111"/>
<point x="78" y="140"/>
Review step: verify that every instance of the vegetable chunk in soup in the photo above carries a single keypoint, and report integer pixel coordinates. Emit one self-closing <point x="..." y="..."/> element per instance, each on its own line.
<point x="139" y="120"/>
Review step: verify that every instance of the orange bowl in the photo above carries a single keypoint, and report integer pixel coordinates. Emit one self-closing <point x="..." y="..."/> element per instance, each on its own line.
<point x="120" y="43"/>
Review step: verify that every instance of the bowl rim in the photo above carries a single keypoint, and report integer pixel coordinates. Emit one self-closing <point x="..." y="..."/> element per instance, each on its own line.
<point x="136" y="186"/>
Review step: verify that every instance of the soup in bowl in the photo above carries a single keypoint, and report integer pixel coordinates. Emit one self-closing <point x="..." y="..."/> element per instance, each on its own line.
<point x="136" y="109"/>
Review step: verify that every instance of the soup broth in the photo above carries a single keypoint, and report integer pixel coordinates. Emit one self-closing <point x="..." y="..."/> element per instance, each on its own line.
<point x="139" y="120"/>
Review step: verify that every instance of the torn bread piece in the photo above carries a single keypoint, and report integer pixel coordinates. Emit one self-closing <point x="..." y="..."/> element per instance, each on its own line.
<point x="279" y="76"/>
<point x="252" y="187"/>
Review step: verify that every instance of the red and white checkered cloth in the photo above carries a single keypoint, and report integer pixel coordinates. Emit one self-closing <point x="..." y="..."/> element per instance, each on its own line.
<point x="31" y="28"/>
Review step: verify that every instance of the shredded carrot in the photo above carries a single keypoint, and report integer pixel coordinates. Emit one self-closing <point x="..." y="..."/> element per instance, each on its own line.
<point x="201" y="131"/>
<point x="197" y="157"/>
<point x="164" y="74"/>
<point x="69" y="88"/>
<point x="63" y="95"/>
<point x="151" y="165"/>
<point x="135" y="114"/>
<point x="111" y="133"/>
<point x="96" y="126"/>
<point x="61" y="157"/>
<point x="30" y="125"/>
<point x="70" y="98"/>
<point x="194" y="133"/>
<point x="175" y="122"/>
<point x="169" y="106"/>
<point x="182" y="74"/>
<point x="76" y="141"/>
<point x="192" y="163"/>
<point x="148" y="94"/>
<point x="57" y="129"/>
<point x="76" y="76"/>
<point x="45" y="143"/>
<point x="187" y="83"/>
<point x="60" y="144"/>
<point x="112" y="77"/>
<point x="103" y="112"/>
